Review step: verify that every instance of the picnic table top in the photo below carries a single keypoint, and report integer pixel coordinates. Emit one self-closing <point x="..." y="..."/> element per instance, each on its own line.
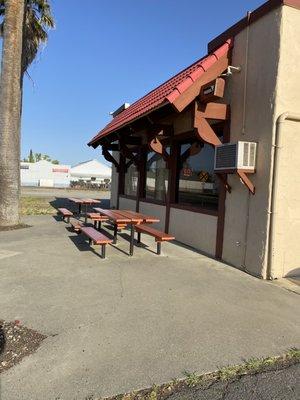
<point x="138" y="217"/>
<point x="126" y="216"/>
<point x="113" y="215"/>
<point x="84" y="201"/>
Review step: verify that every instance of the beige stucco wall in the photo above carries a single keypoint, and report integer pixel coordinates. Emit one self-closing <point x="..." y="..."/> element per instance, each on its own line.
<point x="286" y="246"/>
<point x="127" y="204"/>
<point x="194" y="229"/>
<point x="246" y="217"/>
<point x="155" y="210"/>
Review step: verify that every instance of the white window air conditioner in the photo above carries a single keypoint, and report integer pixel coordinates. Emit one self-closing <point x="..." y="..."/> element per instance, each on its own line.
<point x="233" y="156"/>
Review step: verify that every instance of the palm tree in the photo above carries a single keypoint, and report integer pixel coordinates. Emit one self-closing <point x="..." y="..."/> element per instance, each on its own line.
<point x="10" y="106"/>
<point x="38" y="20"/>
<point x="24" y="27"/>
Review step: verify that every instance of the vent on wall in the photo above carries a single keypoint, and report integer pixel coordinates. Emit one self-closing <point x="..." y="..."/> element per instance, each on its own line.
<point x="235" y="156"/>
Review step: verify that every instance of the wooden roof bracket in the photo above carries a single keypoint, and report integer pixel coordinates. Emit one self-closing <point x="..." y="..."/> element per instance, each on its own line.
<point x="156" y="146"/>
<point x="108" y="157"/>
<point x="128" y="153"/>
<point x="205" y="132"/>
<point x="246" y="181"/>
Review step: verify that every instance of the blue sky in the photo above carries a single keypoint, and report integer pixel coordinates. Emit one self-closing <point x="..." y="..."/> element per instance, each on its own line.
<point x="104" y="53"/>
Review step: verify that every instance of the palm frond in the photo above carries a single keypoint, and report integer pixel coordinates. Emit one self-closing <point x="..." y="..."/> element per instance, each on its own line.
<point x="38" y="21"/>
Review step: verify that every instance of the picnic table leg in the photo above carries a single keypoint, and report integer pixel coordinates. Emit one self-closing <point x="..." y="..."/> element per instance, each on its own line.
<point x="103" y="250"/>
<point x="99" y="225"/>
<point x="79" y="208"/>
<point x="86" y="210"/>
<point x="131" y="240"/>
<point x="115" y="234"/>
<point x="158" y="248"/>
<point x="139" y="237"/>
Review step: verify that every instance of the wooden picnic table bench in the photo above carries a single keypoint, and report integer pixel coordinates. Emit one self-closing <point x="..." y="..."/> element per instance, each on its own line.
<point x="121" y="218"/>
<point x="65" y="213"/>
<point x="97" y="219"/>
<point x="96" y="238"/>
<point x="84" y="202"/>
<point x="119" y="221"/>
<point x="138" y="217"/>
<point x="158" y="235"/>
<point x="76" y="225"/>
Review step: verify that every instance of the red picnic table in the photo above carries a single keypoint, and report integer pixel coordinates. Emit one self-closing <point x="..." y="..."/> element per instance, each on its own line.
<point x="85" y="202"/>
<point x="121" y="218"/>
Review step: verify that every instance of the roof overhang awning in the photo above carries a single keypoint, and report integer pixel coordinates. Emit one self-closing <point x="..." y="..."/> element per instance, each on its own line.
<point x="177" y="93"/>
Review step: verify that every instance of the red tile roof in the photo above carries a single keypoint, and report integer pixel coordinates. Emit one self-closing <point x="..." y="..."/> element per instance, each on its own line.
<point x="166" y="93"/>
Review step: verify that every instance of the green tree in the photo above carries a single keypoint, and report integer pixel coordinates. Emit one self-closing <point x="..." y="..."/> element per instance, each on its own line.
<point x="37" y="157"/>
<point x="31" y="157"/>
<point x="46" y="157"/>
<point x="24" y="27"/>
<point x="38" y="20"/>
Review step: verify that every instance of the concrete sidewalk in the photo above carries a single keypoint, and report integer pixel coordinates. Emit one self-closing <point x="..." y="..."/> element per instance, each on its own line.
<point x="124" y="323"/>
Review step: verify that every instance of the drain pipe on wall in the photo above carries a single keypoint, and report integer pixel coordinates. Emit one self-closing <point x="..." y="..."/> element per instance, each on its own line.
<point x="287" y="116"/>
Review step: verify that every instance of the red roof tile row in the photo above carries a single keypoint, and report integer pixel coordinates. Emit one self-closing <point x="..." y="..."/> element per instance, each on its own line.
<point x="166" y="93"/>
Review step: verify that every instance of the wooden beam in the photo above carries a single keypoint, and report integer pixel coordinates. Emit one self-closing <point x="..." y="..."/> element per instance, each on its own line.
<point x="134" y="140"/>
<point x="194" y="149"/>
<point x="108" y="157"/>
<point x="246" y="181"/>
<point x="194" y="90"/>
<point x="207" y="134"/>
<point x="223" y="179"/>
<point x="213" y="90"/>
<point x="205" y="131"/>
<point x="156" y="146"/>
<point x="129" y="154"/>
<point x="213" y="111"/>
<point x="112" y="147"/>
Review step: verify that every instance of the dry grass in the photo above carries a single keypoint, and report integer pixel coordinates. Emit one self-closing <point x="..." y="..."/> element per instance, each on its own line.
<point x="227" y="373"/>
<point x="36" y="206"/>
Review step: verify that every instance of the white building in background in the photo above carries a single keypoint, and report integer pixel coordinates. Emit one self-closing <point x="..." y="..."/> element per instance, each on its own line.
<point x="45" y="174"/>
<point x="91" y="171"/>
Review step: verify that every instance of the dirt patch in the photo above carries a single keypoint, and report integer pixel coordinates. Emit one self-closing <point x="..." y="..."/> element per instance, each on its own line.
<point x="16" y="342"/>
<point x="14" y="227"/>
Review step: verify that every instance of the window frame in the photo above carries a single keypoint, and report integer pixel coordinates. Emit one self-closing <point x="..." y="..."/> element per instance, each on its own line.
<point x="144" y="197"/>
<point x="122" y="193"/>
<point x="171" y="198"/>
<point x="181" y="205"/>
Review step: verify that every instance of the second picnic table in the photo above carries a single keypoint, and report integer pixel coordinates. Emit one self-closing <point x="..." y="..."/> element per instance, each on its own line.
<point x="121" y="218"/>
<point x="86" y="202"/>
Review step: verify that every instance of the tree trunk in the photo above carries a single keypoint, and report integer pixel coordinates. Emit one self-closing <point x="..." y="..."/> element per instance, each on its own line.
<point x="10" y="113"/>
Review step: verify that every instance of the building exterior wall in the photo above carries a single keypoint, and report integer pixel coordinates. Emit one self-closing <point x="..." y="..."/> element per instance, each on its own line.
<point x="251" y="94"/>
<point x="194" y="229"/>
<point x="91" y="171"/>
<point x="155" y="210"/>
<point x="44" y="173"/>
<point x="286" y="248"/>
<point x="268" y="85"/>
<point x="127" y="204"/>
